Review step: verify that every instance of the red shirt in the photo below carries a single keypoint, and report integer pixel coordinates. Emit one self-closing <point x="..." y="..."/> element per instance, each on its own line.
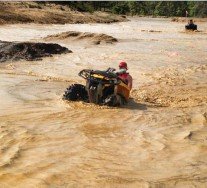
<point x="126" y="77"/>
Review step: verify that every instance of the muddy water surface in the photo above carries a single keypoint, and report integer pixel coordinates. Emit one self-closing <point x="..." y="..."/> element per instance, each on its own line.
<point x="158" y="140"/>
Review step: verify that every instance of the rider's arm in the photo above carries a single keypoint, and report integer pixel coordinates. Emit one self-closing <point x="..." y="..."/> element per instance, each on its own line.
<point x="129" y="82"/>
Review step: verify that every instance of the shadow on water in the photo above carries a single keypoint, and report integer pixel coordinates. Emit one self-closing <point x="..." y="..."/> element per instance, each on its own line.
<point x="133" y="105"/>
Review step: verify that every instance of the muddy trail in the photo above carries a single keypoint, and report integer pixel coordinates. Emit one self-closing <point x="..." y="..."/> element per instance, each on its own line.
<point x="157" y="140"/>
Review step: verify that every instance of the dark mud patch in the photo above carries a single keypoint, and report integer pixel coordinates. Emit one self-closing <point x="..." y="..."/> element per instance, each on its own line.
<point x="14" y="51"/>
<point x="94" y="38"/>
<point x="151" y="31"/>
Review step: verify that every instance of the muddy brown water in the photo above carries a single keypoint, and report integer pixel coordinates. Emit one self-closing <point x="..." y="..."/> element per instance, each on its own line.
<point x="158" y="140"/>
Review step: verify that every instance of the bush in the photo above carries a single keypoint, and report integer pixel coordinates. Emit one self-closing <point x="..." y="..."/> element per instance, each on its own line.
<point x="121" y="8"/>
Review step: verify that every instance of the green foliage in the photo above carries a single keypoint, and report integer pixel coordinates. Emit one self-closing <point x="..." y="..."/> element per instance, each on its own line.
<point x="191" y="6"/>
<point x="133" y="7"/>
<point x="200" y="9"/>
<point x="157" y="8"/>
<point x="84" y="6"/>
<point x="121" y="8"/>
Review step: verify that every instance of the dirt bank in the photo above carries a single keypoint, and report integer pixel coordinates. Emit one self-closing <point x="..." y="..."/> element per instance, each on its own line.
<point x="77" y="36"/>
<point x="184" y="19"/>
<point x="33" y="12"/>
<point x="14" y="51"/>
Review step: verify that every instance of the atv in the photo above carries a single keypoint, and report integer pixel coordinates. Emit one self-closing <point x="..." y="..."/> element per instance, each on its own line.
<point x="192" y="27"/>
<point x="102" y="88"/>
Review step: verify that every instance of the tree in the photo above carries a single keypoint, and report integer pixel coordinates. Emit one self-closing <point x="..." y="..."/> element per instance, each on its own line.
<point x="158" y="8"/>
<point x="121" y="8"/>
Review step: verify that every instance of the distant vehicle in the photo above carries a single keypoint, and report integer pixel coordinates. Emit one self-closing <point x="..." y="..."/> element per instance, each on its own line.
<point x="191" y="26"/>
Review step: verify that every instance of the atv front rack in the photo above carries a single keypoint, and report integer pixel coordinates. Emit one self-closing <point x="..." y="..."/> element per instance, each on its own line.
<point x="106" y="77"/>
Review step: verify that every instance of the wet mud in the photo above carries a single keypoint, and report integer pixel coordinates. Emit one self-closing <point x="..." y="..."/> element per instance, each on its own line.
<point x="14" y="51"/>
<point x="157" y="140"/>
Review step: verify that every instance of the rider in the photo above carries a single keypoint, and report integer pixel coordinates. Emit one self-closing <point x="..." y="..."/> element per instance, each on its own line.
<point x="191" y="25"/>
<point x="116" y="100"/>
<point x="124" y="75"/>
<point x="190" y="22"/>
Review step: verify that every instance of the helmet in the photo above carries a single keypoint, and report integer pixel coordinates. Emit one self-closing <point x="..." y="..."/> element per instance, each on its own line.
<point x="123" y="64"/>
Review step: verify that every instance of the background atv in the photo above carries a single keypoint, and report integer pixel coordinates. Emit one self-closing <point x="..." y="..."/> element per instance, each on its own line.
<point x="191" y="27"/>
<point x="102" y="87"/>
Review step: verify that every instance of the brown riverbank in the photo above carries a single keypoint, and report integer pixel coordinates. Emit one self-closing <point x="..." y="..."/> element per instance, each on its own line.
<point x="49" y="13"/>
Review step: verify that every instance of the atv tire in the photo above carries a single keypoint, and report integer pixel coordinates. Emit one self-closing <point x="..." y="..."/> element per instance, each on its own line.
<point x="76" y="92"/>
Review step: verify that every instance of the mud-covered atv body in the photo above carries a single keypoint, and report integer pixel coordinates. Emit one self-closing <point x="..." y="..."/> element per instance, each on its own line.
<point x="191" y="27"/>
<point x="102" y="87"/>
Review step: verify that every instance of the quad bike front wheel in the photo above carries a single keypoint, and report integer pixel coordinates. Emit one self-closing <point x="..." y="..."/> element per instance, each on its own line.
<point x="76" y="92"/>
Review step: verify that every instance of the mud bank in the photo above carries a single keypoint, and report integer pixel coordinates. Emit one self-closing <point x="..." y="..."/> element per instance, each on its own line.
<point x="45" y="13"/>
<point x="82" y="36"/>
<point x="184" y="19"/>
<point x="14" y="51"/>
